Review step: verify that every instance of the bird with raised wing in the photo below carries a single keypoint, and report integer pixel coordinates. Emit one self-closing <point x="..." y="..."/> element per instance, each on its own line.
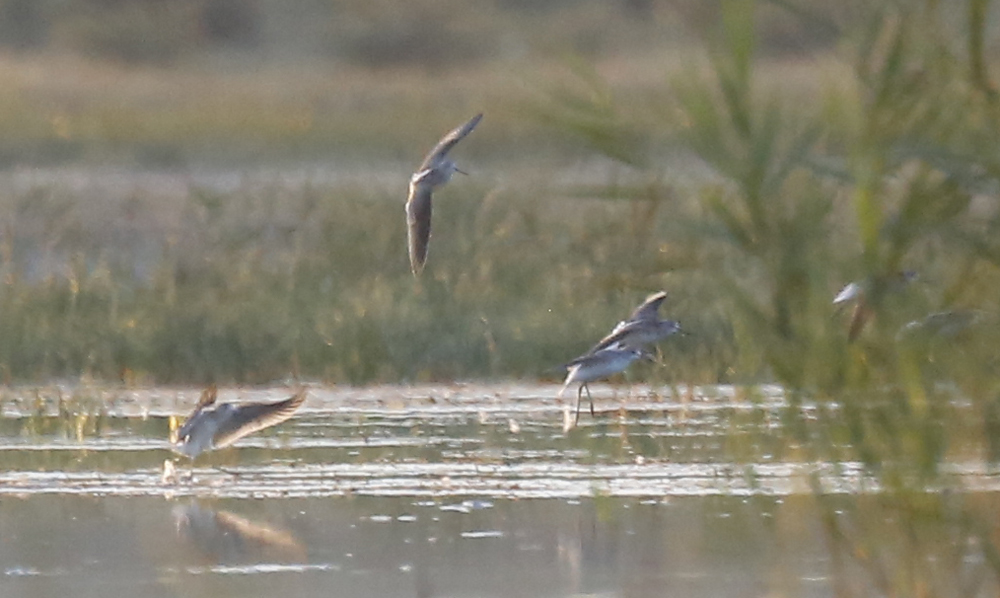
<point x="601" y="364"/>
<point x="644" y="327"/>
<point x="210" y="427"/>
<point x="649" y="309"/>
<point x="435" y="171"/>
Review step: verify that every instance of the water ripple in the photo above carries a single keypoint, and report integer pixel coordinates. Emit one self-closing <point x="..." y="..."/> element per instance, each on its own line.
<point x="435" y="441"/>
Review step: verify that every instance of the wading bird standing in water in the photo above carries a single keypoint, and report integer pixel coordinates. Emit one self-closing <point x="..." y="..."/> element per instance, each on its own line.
<point x="435" y="170"/>
<point x="598" y="365"/>
<point x="210" y="428"/>
<point x="616" y="351"/>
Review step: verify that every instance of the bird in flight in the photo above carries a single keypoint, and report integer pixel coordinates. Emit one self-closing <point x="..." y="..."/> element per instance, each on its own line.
<point x="623" y="345"/>
<point x="643" y="327"/>
<point x="435" y="170"/>
<point x="211" y="427"/>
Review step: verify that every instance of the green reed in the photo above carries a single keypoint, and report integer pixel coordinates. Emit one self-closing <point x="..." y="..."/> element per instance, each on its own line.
<point x="888" y="169"/>
<point x="892" y="167"/>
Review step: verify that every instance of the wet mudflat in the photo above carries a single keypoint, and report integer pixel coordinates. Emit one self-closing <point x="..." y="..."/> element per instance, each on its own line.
<point x="439" y="491"/>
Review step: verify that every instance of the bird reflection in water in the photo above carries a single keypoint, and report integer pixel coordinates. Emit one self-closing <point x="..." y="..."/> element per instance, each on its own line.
<point x="222" y="537"/>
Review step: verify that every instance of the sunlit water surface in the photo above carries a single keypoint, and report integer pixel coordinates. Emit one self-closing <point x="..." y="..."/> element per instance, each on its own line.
<point x="456" y="490"/>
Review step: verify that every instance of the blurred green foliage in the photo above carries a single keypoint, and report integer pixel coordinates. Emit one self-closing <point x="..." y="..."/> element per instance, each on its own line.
<point x="892" y="168"/>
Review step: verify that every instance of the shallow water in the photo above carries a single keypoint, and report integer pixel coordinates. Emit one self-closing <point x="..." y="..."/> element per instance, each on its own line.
<point x="458" y="490"/>
<point x="386" y="546"/>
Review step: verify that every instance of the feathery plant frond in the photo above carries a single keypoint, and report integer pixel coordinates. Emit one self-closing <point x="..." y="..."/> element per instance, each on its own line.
<point x="586" y="109"/>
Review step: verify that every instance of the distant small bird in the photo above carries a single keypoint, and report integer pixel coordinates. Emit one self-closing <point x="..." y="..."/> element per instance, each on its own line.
<point x="591" y="367"/>
<point x="207" y="429"/>
<point x="644" y="327"/>
<point x="435" y="170"/>
<point x="862" y="293"/>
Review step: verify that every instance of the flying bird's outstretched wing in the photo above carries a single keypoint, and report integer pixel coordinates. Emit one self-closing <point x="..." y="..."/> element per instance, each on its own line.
<point x="248" y="419"/>
<point x="435" y="170"/>
<point x="418" y="223"/>
<point x="644" y="326"/>
<point x="448" y="141"/>
<point x="207" y="399"/>
<point x="650" y="308"/>
<point x="622" y="331"/>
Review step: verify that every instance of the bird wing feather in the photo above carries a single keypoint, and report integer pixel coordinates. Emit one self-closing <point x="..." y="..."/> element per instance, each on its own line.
<point x="448" y="141"/>
<point x="207" y="399"/>
<point x="253" y="418"/>
<point x="622" y="330"/>
<point x="650" y="308"/>
<point x="418" y="221"/>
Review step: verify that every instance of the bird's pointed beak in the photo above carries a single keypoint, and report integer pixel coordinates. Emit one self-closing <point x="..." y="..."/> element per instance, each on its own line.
<point x="460" y="171"/>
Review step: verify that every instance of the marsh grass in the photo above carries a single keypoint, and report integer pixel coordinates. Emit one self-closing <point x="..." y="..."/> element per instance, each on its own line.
<point x="264" y="283"/>
<point x="892" y="169"/>
<point x="750" y="189"/>
<point x="883" y="172"/>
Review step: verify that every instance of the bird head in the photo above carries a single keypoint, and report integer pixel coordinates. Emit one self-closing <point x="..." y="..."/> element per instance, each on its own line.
<point x="450" y="168"/>
<point x="674" y="327"/>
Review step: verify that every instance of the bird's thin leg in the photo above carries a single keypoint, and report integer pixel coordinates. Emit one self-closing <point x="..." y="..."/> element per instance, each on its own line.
<point x="190" y="473"/>
<point x="226" y="471"/>
<point x="858" y="320"/>
<point x="591" y="398"/>
<point x="215" y="467"/>
<point x="579" y="399"/>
